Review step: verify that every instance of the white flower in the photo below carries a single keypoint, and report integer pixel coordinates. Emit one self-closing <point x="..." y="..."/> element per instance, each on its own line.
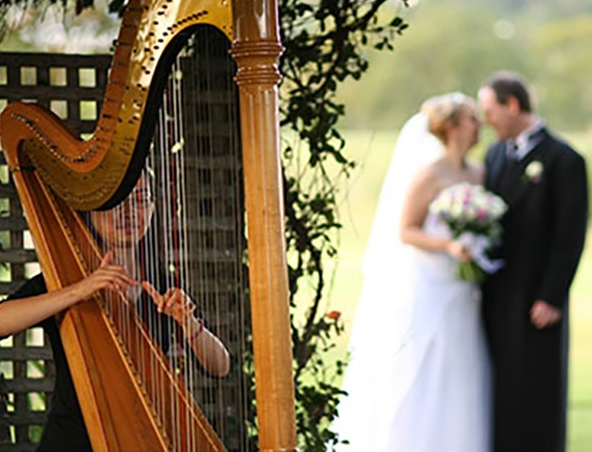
<point x="534" y="171"/>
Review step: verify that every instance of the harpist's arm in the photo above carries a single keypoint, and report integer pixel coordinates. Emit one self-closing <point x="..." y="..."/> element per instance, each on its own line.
<point x="21" y="313"/>
<point x="208" y="348"/>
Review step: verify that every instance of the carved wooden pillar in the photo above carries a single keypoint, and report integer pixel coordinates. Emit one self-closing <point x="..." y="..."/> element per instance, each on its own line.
<point x="256" y="50"/>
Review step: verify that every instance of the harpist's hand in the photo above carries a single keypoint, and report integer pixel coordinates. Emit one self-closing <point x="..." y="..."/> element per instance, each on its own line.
<point x="175" y="302"/>
<point x="543" y="314"/>
<point x="16" y="315"/>
<point x="107" y="276"/>
<point x="208" y="349"/>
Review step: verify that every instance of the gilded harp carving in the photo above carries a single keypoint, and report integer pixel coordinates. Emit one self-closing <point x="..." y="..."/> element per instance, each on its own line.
<point x="167" y="107"/>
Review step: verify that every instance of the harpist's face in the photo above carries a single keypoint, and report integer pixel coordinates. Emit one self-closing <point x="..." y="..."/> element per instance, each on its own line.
<point x="126" y="224"/>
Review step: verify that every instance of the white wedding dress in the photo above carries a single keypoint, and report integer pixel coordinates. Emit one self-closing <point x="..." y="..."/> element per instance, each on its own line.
<point x="419" y="374"/>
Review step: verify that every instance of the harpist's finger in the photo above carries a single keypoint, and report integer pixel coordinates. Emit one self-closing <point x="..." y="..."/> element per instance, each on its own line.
<point x="153" y="293"/>
<point x="107" y="259"/>
<point x="119" y="275"/>
<point x="174" y="297"/>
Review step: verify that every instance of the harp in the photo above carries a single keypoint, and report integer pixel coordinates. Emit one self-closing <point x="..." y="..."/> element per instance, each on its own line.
<point x="152" y="111"/>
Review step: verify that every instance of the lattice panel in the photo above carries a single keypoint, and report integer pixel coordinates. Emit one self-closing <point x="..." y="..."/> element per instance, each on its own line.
<point x="72" y="87"/>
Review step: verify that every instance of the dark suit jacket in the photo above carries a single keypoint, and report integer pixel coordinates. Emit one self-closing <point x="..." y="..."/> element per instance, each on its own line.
<point x="544" y="232"/>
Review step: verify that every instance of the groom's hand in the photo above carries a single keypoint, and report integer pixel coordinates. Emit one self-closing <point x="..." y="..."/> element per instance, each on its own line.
<point x="543" y="314"/>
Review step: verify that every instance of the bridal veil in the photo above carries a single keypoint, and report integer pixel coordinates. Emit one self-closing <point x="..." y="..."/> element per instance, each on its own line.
<point x="383" y="316"/>
<point x="384" y="258"/>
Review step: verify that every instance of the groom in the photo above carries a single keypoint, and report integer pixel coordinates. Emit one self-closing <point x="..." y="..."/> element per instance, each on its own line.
<point x="543" y="180"/>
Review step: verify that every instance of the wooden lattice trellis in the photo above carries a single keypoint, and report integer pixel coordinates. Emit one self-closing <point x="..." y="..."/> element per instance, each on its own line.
<point x="72" y="86"/>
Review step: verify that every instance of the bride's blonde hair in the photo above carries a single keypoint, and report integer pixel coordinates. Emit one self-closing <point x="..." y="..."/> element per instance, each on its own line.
<point x="442" y="112"/>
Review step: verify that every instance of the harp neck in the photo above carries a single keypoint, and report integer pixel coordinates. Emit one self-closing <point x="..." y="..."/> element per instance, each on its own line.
<point x="101" y="171"/>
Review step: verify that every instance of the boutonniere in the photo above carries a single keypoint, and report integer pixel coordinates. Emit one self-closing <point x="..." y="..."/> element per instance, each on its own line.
<point x="534" y="171"/>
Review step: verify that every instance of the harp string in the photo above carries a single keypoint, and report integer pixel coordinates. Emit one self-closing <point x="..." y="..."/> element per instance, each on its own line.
<point x="184" y="222"/>
<point x="214" y="212"/>
<point x="178" y="224"/>
<point x="170" y="247"/>
<point x="172" y="225"/>
<point x="202" y="173"/>
<point x="183" y="213"/>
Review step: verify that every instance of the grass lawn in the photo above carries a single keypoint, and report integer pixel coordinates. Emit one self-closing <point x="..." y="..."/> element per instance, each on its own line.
<point x="372" y="150"/>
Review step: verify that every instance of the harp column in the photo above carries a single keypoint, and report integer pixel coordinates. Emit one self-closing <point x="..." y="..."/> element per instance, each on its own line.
<point x="256" y="51"/>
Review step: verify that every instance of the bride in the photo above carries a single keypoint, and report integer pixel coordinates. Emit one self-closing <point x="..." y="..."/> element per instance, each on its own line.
<point x="419" y="375"/>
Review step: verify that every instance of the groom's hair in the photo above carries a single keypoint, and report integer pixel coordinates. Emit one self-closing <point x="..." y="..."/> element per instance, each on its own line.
<point x="508" y="84"/>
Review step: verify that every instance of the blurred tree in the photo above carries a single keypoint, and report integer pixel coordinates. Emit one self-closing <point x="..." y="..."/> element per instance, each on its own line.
<point x="449" y="50"/>
<point x="539" y="10"/>
<point x="560" y="53"/>
<point x="549" y="53"/>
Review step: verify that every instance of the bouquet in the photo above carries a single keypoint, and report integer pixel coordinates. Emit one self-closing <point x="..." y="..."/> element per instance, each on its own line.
<point x="472" y="215"/>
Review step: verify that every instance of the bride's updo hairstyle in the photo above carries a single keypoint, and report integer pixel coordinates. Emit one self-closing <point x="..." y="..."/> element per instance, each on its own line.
<point x="442" y="112"/>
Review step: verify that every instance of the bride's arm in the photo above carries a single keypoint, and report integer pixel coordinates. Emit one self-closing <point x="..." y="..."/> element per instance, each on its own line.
<point x="415" y="209"/>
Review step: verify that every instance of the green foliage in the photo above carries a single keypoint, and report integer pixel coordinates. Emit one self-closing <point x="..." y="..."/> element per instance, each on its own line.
<point x="6" y="5"/>
<point x="317" y="396"/>
<point x="431" y="61"/>
<point x="562" y="79"/>
<point x="324" y="46"/>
